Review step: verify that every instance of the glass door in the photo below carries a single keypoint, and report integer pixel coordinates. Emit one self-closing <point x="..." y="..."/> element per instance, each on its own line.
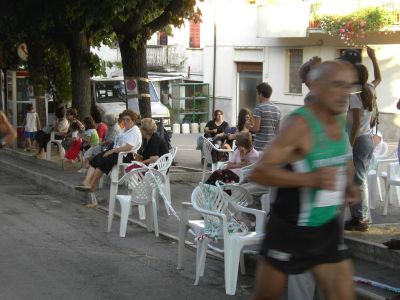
<point x="246" y="88"/>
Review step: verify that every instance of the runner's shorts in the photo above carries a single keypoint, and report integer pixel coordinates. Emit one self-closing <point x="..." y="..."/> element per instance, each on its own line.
<point x="294" y="249"/>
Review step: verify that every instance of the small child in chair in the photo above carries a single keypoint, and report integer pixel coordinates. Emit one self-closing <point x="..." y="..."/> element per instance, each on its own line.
<point x="72" y="153"/>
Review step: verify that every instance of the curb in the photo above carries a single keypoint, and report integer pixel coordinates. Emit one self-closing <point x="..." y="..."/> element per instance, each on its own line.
<point x="373" y="252"/>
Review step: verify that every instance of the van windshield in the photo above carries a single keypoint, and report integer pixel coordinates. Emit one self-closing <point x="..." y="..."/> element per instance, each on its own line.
<point x="114" y="91"/>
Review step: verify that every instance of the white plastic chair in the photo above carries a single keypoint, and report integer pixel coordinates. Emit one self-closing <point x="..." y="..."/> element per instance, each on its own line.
<point x="381" y="156"/>
<point x="163" y="164"/>
<point x="143" y="185"/>
<point x="207" y="148"/>
<point x="173" y="152"/>
<point x="114" y="176"/>
<point x="393" y="179"/>
<point x="216" y="206"/>
<point x="52" y="140"/>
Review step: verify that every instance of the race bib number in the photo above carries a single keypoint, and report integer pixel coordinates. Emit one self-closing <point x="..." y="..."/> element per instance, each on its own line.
<point x="333" y="197"/>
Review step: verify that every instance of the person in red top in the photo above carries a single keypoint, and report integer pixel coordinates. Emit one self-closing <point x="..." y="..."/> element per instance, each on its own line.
<point x="101" y="127"/>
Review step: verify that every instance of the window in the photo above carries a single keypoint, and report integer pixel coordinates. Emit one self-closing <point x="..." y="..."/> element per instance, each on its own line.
<point x="194" y="40"/>
<point x="162" y="38"/>
<point x="295" y="62"/>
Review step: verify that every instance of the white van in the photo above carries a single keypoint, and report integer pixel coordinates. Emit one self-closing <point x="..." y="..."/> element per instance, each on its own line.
<point x="109" y="97"/>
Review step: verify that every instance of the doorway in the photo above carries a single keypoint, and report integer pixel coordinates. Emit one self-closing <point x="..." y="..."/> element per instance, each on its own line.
<point x="249" y="75"/>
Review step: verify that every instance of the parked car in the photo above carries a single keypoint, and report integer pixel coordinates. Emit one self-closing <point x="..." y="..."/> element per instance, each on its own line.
<point x="109" y="96"/>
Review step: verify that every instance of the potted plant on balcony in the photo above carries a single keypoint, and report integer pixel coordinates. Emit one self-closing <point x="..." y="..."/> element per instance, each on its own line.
<point x="352" y="28"/>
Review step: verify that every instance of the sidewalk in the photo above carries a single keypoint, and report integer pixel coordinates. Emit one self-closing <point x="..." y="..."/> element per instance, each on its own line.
<point x="49" y="174"/>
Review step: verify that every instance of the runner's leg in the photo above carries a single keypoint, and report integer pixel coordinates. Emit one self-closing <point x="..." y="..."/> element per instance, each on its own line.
<point x="269" y="282"/>
<point x="335" y="280"/>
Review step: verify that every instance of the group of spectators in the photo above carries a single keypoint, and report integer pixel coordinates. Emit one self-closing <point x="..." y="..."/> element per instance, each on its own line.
<point x="253" y="132"/>
<point x="99" y="138"/>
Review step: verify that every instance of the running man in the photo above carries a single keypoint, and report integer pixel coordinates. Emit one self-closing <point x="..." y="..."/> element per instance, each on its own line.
<point x="310" y="164"/>
<point x="7" y="132"/>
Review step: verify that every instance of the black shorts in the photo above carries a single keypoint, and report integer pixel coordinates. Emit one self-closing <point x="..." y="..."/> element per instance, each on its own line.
<point x="105" y="164"/>
<point x="294" y="249"/>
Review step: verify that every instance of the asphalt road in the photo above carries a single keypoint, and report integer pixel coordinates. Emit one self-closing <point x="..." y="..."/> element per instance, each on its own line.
<point x="52" y="247"/>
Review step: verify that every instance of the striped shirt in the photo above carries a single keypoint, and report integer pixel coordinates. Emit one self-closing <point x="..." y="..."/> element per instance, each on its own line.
<point x="270" y="116"/>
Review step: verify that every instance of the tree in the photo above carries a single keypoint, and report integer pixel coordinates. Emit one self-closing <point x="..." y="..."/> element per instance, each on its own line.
<point x="134" y="22"/>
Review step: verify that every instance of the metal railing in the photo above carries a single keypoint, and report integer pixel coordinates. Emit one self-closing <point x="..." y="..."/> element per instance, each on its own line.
<point x="164" y="55"/>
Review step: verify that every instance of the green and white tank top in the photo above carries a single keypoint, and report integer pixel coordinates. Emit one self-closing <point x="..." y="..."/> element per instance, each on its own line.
<point x="312" y="206"/>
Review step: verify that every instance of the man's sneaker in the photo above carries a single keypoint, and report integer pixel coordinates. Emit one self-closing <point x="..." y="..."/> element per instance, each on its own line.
<point x="82" y="170"/>
<point x="356" y="225"/>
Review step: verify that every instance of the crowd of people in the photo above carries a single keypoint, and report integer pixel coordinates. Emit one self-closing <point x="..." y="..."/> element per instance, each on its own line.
<point x="95" y="143"/>
<point x="317" y="161"/>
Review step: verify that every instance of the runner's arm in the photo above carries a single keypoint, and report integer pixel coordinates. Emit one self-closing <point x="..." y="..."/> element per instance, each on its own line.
<point x="9" y="132"/>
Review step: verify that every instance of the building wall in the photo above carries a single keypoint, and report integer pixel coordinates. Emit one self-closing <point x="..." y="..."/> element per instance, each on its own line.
<point x="237" y="41"/>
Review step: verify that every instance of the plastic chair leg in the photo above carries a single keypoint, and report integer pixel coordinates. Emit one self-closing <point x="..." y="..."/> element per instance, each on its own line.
<point x="398" y="195"/>
<point x="101" y="182"/>
<point x="142" y="212"/>
<point x="204" y="171"/>
<point x="378" y="185"/>
<point x="201" y="258"/>
<point x="181" y="241"/>
<point x="148" y="217"/>
<point x="155" y="219"/>
<point x="111" y="204"/>
<point x="125" y="210"/>
<point x="242" y="265"/>
<point x="386" y="201"/>
<point x="265" y="203"/>
<point x="48" y="151"/>
<point x="231" y="260"/>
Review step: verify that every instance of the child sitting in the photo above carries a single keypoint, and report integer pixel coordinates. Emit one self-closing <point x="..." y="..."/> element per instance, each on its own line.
<point x="243" y="156"/>
<point x="90" y="141"/>
<point x="72" y="153"/>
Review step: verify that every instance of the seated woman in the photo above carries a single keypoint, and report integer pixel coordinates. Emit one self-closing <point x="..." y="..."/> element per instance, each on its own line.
<point x="61" y="126"/>
<point x="101" y="126"/>
<point x="153" y="146"/>
<point x="243" y="156"/>
<point x="245" y="123"/>
<point x="102" y="163"/>
<point x="214" y="128"/>
<point x="111" y="120"/>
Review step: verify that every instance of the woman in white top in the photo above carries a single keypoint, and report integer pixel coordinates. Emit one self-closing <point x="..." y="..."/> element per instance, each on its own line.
<point x="359" y="123"/>
<point x="130" y="138"/>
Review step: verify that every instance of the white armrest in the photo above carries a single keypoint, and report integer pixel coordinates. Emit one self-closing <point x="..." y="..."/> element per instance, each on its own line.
<point x="260" y="215"/>
<point x="220" y="216"/>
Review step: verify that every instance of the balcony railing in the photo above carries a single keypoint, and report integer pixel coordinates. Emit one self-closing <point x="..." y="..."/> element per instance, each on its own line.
<point x="163" y="56"/>
<point x="315" y="10"/>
